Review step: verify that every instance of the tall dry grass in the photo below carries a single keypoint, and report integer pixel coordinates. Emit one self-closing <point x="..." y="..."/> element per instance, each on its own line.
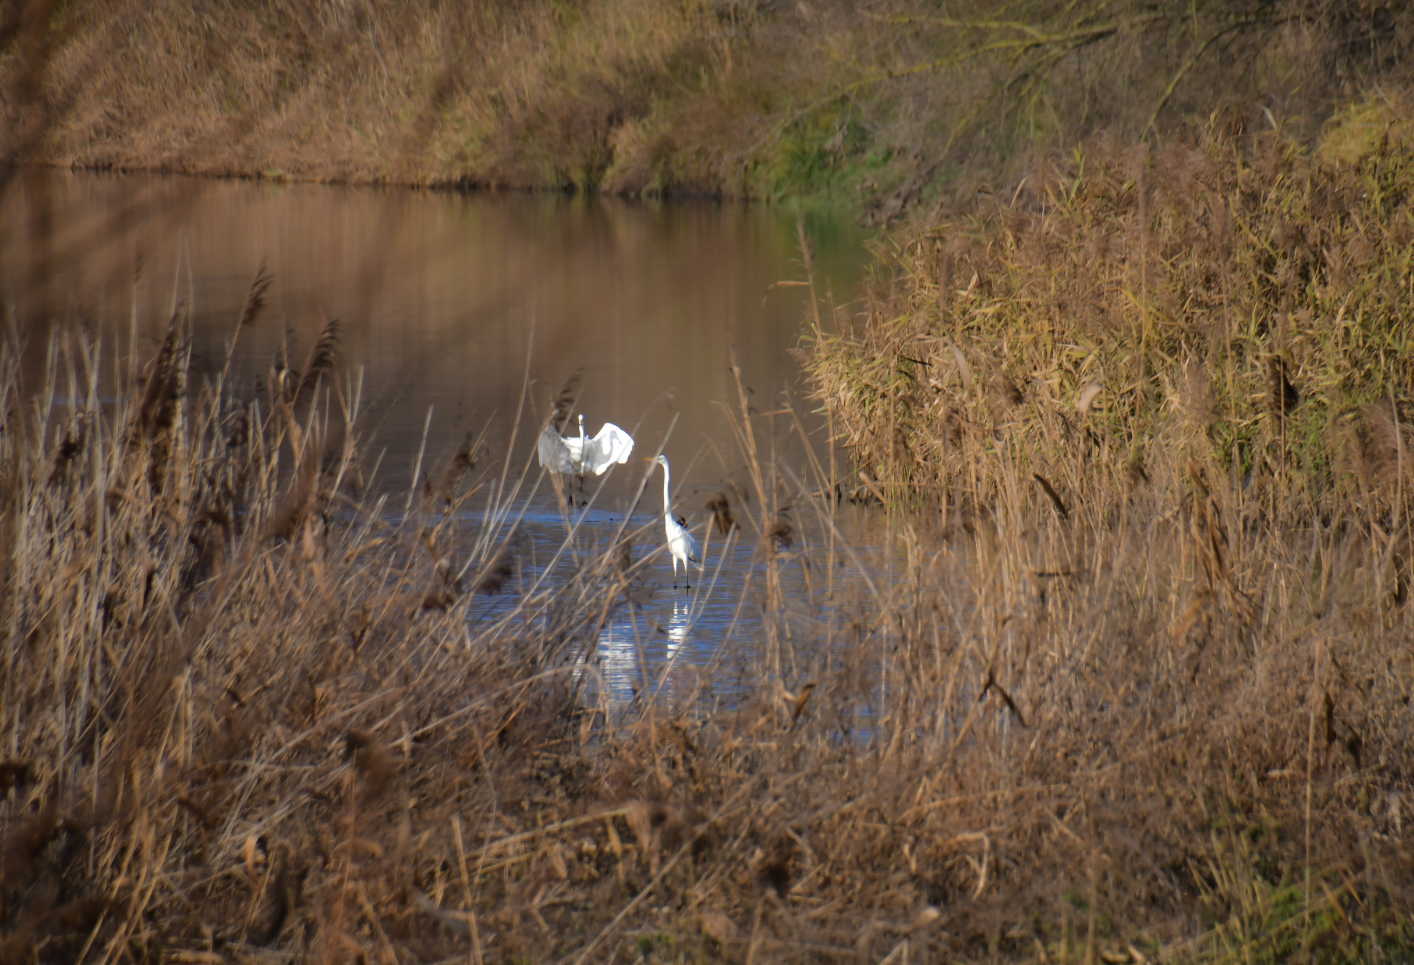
<point x="253" y="713"/>
<point x="1160" y="401"/>
<point x="1128" y="319"/>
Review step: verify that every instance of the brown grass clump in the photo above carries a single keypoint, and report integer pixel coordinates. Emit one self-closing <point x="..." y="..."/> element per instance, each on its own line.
<point x="1237" y="300"/>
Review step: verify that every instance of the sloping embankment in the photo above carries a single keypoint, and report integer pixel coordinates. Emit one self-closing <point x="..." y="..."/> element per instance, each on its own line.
<point x="885" y="102"/>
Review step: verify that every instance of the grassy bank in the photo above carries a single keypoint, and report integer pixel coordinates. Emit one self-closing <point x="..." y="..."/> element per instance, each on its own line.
<point x="253" y="715"/>
<point x="886" y="103"/>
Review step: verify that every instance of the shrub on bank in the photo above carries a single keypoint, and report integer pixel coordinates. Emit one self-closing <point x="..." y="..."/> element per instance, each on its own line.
<point x="1238" y="303"/>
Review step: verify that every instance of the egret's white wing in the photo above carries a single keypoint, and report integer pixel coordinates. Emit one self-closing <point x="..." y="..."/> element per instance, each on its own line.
<point x="547" y="447"/>
<point x="609" y="446"/>
<point x="694" y="549"/>
<point x="683" y="544"/>
<point x="553" y="451"/>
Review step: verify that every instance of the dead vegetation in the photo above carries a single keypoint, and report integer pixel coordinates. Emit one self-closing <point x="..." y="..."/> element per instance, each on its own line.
<point x="1155" y="399"/>
<point x="1239" y="300"/>
<point x="249" y="716"/>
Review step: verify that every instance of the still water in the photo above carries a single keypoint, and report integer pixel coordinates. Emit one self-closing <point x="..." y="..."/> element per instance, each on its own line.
<point x="467" y="314"/>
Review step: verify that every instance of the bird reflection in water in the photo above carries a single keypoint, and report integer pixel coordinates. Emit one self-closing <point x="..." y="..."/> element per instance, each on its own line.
<point x="678" y="626"/>
<point x="619" y="669"/>
<point x="675" y="679"/>
<point x="637" y="656"/>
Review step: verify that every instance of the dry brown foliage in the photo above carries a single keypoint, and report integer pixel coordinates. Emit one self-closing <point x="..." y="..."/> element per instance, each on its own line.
<point x="883" y="100"/>
<point x="1240" y="298"/>
<point x="236" y="733"/>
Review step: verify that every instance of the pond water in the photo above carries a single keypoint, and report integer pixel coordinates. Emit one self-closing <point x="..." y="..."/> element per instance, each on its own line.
<point x="468" y="314"/>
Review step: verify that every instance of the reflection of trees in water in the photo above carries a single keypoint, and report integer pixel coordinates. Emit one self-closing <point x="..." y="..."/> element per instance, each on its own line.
<point x="435" y="295"/>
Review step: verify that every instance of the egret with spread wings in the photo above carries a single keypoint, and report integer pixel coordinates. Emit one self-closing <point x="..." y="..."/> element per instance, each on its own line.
<point x="563" y="454"/>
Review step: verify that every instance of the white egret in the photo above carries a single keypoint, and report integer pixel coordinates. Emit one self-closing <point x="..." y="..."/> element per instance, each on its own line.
<point x="681" y="543"/>
<point x="610" y="445"/>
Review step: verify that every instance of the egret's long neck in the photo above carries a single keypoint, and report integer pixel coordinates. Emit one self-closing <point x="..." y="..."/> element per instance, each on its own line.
<point x="667" y="506"/>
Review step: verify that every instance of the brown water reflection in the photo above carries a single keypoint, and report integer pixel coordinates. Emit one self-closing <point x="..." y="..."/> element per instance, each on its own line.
<point x="442" y="296"/>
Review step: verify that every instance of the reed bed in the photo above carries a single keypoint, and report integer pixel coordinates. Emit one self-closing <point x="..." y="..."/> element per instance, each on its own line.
<point x="1128" y="319"/>
<point x="254" y="712"/>
<point x="1155" y="397"/>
